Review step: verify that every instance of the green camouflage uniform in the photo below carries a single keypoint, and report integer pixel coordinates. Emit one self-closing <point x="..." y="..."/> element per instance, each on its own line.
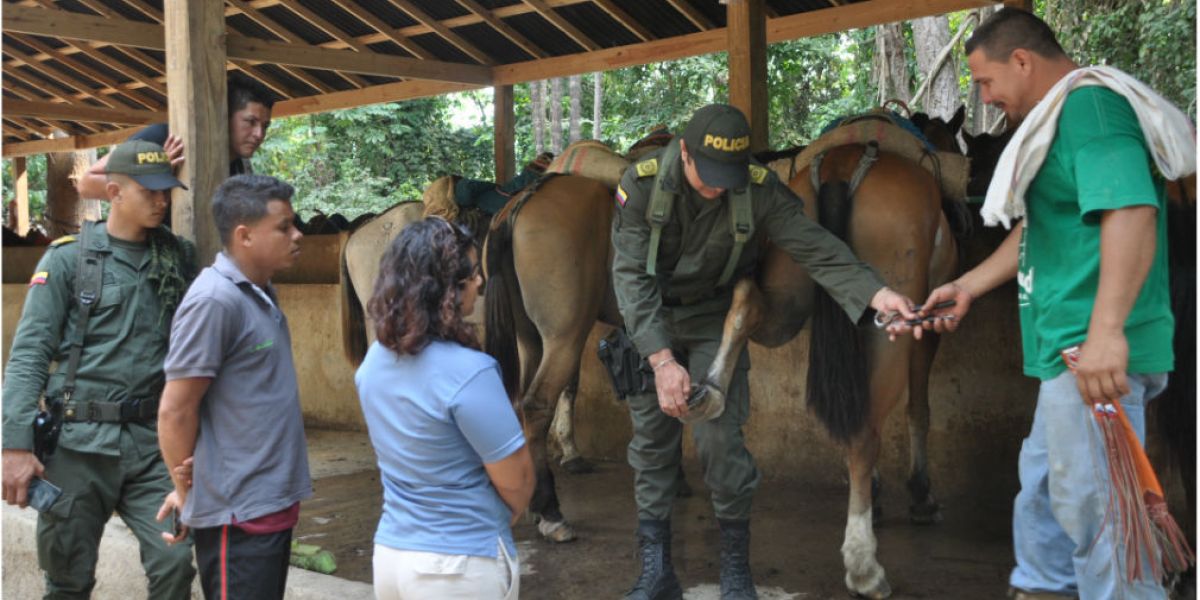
<point x="101" y="467"/>
<point x="681" y="308"/>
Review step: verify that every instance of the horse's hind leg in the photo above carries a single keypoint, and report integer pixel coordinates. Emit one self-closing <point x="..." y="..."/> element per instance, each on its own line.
<point x="744" y="316"/>
<point x="563" y="430"/>
<point x="559" y="363"/>
<point x="924" y="509"/>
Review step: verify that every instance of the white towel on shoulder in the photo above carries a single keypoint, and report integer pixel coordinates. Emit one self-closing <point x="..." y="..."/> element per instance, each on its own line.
<point x="1169" y="135"/>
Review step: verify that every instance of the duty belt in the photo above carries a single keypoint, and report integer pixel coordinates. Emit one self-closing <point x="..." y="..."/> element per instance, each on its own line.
<point x="111" y="412"/>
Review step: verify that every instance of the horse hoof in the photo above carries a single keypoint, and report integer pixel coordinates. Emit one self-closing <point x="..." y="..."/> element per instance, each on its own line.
<point x="706" y="402"/>
<point x="578" y="466"/>
<point x="929" y="513"/>
<point x="557" y="531"/>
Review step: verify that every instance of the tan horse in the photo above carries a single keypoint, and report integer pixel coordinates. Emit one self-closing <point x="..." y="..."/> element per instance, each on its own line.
<point x="547" y="261"/>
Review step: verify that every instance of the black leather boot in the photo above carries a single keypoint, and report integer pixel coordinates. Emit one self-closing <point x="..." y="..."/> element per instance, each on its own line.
<point x="657" y="581"/>
<point x="736" y="581"/>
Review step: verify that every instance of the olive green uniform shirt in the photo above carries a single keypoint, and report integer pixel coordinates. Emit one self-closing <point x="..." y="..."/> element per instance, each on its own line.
<point x="696" y="243"/>
<point x="123" y="349"/>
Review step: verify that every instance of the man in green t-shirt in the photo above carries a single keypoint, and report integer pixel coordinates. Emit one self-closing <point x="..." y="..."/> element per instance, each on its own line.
<point x="1090" y="273"/>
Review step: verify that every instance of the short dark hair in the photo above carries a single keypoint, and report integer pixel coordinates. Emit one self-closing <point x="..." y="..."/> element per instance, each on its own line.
<point x="418" y="294"/>
<point x="242" y="90"/>
<point x="1012" y="28"/>
<point x="243" y="199"/>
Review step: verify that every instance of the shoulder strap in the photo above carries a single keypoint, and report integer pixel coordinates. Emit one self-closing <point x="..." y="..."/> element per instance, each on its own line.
<point x="741" y="224"/>
<point x="658" y="212"/>
<point x="89" y="278"/>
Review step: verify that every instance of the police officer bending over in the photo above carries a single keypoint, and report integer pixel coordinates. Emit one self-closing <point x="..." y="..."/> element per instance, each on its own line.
<point x="676" y="262"/>
<point x="100" y="306"/>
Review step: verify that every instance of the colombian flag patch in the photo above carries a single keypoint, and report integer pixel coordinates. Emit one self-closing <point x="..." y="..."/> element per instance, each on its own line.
<point x="39" y="278"/>
<point x="621" y="196"/>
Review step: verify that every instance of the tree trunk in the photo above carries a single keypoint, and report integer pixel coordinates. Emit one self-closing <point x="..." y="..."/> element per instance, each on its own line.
<point x="984" y="115"/>
<point x="941" y="98"/>
<point x="597" y="78"/>
<point x="556" y="138"/>
<point x="575" y="89"/>
<point x="537" y="113"/>
<point x="891" y="69"/>
<point x="64" y="210"/>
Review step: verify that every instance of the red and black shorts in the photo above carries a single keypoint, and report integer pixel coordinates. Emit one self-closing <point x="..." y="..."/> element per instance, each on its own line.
<point x="235" y="565"/>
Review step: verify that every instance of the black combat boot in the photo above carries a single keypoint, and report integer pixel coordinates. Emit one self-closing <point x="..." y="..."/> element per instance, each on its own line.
<point x="736" y="581"/>
<point x="657" y="581"/>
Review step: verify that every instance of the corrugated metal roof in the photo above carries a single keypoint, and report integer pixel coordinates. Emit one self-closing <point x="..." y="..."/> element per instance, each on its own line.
<point x="660" y="18"/>
<point x="296" y="24"/>
<point x="544" y="34"/>
<point x="500" y="48"/>
<point x="440" y="9"/>
<point x="598" y="25"/>
<point x="387" y="12"/>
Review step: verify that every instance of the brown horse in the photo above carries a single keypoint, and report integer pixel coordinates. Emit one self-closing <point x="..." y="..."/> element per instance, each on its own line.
<point x="895" y="221"/>
<point x="547" y="259"/>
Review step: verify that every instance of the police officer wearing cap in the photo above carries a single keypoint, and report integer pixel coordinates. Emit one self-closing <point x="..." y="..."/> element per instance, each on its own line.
<point x="100" y="307"/>
<point x="688" y="227"/>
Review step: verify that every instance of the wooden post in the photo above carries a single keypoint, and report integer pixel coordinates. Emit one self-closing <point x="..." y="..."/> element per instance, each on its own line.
<point x="747" y="40"/>
<point x="19" y="218"/>
<point x="195" y="48"/>
<point x="1025" y="5"/>
<point x="502" y="103"/>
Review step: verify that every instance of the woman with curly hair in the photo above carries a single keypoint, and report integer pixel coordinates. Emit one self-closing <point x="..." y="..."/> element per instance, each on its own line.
<point x="452" y="458"/>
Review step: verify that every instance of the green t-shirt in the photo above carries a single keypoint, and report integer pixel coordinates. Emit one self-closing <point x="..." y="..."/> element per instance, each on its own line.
<point x="1097" y="162"/>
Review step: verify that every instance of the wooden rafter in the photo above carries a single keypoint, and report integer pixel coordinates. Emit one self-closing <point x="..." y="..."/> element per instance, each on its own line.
<point x="81" y="68"/>
<point x="116" y="65"/>
<point x="73" y="25"/>
<point x="31" y="126"/>
<point x="286" y="35"/>
<point x="504" y="28"/>
<point x="696" y="17"/>
<point x="573" y="32"/>
<point x="15" y="73"/>
<point x="78" y="142"/>
<point x="445" y="32"/>
<point x="329" y="28"/>
<point x="58" y="76"/>
<point x="624" y="19"/>
<point x="78" y="112"/>
<point x="262" y="77"/>
<point x="383" y="28"/>
<point x="16" y="131"/>
<point x="144" y="8"/>
<point x="21" y="94"/>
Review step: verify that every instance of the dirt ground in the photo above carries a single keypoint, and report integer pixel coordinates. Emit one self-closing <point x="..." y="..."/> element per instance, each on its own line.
<point x="797" y="532"/>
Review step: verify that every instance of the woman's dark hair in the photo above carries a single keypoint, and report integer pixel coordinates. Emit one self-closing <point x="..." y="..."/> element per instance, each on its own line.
<point x="418" y="294"/>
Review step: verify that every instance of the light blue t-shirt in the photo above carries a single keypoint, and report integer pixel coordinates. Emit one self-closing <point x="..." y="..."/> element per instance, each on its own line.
<point x="435" y="419"/>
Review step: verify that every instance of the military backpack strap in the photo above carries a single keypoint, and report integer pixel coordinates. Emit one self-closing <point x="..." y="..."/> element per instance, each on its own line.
<point x="741" y="224"/>
<point x="658" y="212"/>
<point x="89" y="278"/>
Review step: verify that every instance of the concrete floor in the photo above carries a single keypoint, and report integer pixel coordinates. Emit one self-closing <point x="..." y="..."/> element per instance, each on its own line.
<point x="797" y="533"/>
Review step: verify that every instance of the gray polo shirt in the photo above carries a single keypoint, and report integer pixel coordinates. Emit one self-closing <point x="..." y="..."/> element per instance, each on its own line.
<point x="251" y="456"/>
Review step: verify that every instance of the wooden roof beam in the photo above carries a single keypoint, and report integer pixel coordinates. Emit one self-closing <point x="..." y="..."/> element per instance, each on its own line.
<point x="86" y="70"/>
<point x="77" y="142"/>
<point x="445" y="32"/>
<point x="573" y="32"/>
<point x="624" y="19"/>
<point x="696" y="17"/>
<point x="116" y="65"/>
<point x="59" y="76"/>
<point x="19" y="93"/>
<point x="285" y="34"/>
<point x="330" y="29"/>
<point x="384" y="29"/>
<point x="817" y="22"/>
<point x="116" y="31"/>
<point x="504" y="28"/>
<point x="77" y="112"/>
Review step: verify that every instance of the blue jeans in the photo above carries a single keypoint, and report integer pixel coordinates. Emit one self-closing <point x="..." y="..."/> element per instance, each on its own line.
<point x="1061" y="541"/>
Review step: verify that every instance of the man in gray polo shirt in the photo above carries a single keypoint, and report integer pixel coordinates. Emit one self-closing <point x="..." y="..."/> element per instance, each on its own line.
<point x="231" y="400"/>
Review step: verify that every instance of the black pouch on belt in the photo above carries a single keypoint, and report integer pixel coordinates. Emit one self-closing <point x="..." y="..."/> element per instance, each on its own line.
<point x="630" y="374"/>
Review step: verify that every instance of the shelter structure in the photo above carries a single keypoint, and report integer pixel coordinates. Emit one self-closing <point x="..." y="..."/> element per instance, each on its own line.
<point x="96" y="70"/>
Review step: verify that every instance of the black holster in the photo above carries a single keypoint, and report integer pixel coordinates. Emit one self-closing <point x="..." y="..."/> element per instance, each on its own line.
<point x="47" y="424"/>
<point x="631" y="375"/>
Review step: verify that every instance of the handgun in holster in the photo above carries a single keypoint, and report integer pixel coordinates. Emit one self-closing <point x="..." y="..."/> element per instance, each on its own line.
<point x="47" y="424"/>
<point x="631" y="375"/>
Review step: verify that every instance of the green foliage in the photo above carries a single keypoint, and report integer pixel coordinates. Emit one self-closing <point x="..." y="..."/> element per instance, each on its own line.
<point x="35" y="174"/>
<point x="1153" y="40"/>
<point x="368" y="158"/>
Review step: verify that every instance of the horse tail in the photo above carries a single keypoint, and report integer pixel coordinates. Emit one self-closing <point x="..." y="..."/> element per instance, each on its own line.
<point x="837" y="369"/>
<point x="1175" y="409"/>
<point x="354" y="322"/>
<point x="500" y="305"/>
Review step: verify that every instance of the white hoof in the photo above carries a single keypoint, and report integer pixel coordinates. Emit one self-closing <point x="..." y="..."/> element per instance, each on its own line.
<point x="557" y="531"/>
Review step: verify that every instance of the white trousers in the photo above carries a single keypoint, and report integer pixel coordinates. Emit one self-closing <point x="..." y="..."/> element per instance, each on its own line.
<point x="410" y="575"/>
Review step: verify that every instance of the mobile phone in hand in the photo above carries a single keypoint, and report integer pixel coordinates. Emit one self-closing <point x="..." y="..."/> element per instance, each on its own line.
<point x="176" y="523"/>
<point x="42" y="494"/>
